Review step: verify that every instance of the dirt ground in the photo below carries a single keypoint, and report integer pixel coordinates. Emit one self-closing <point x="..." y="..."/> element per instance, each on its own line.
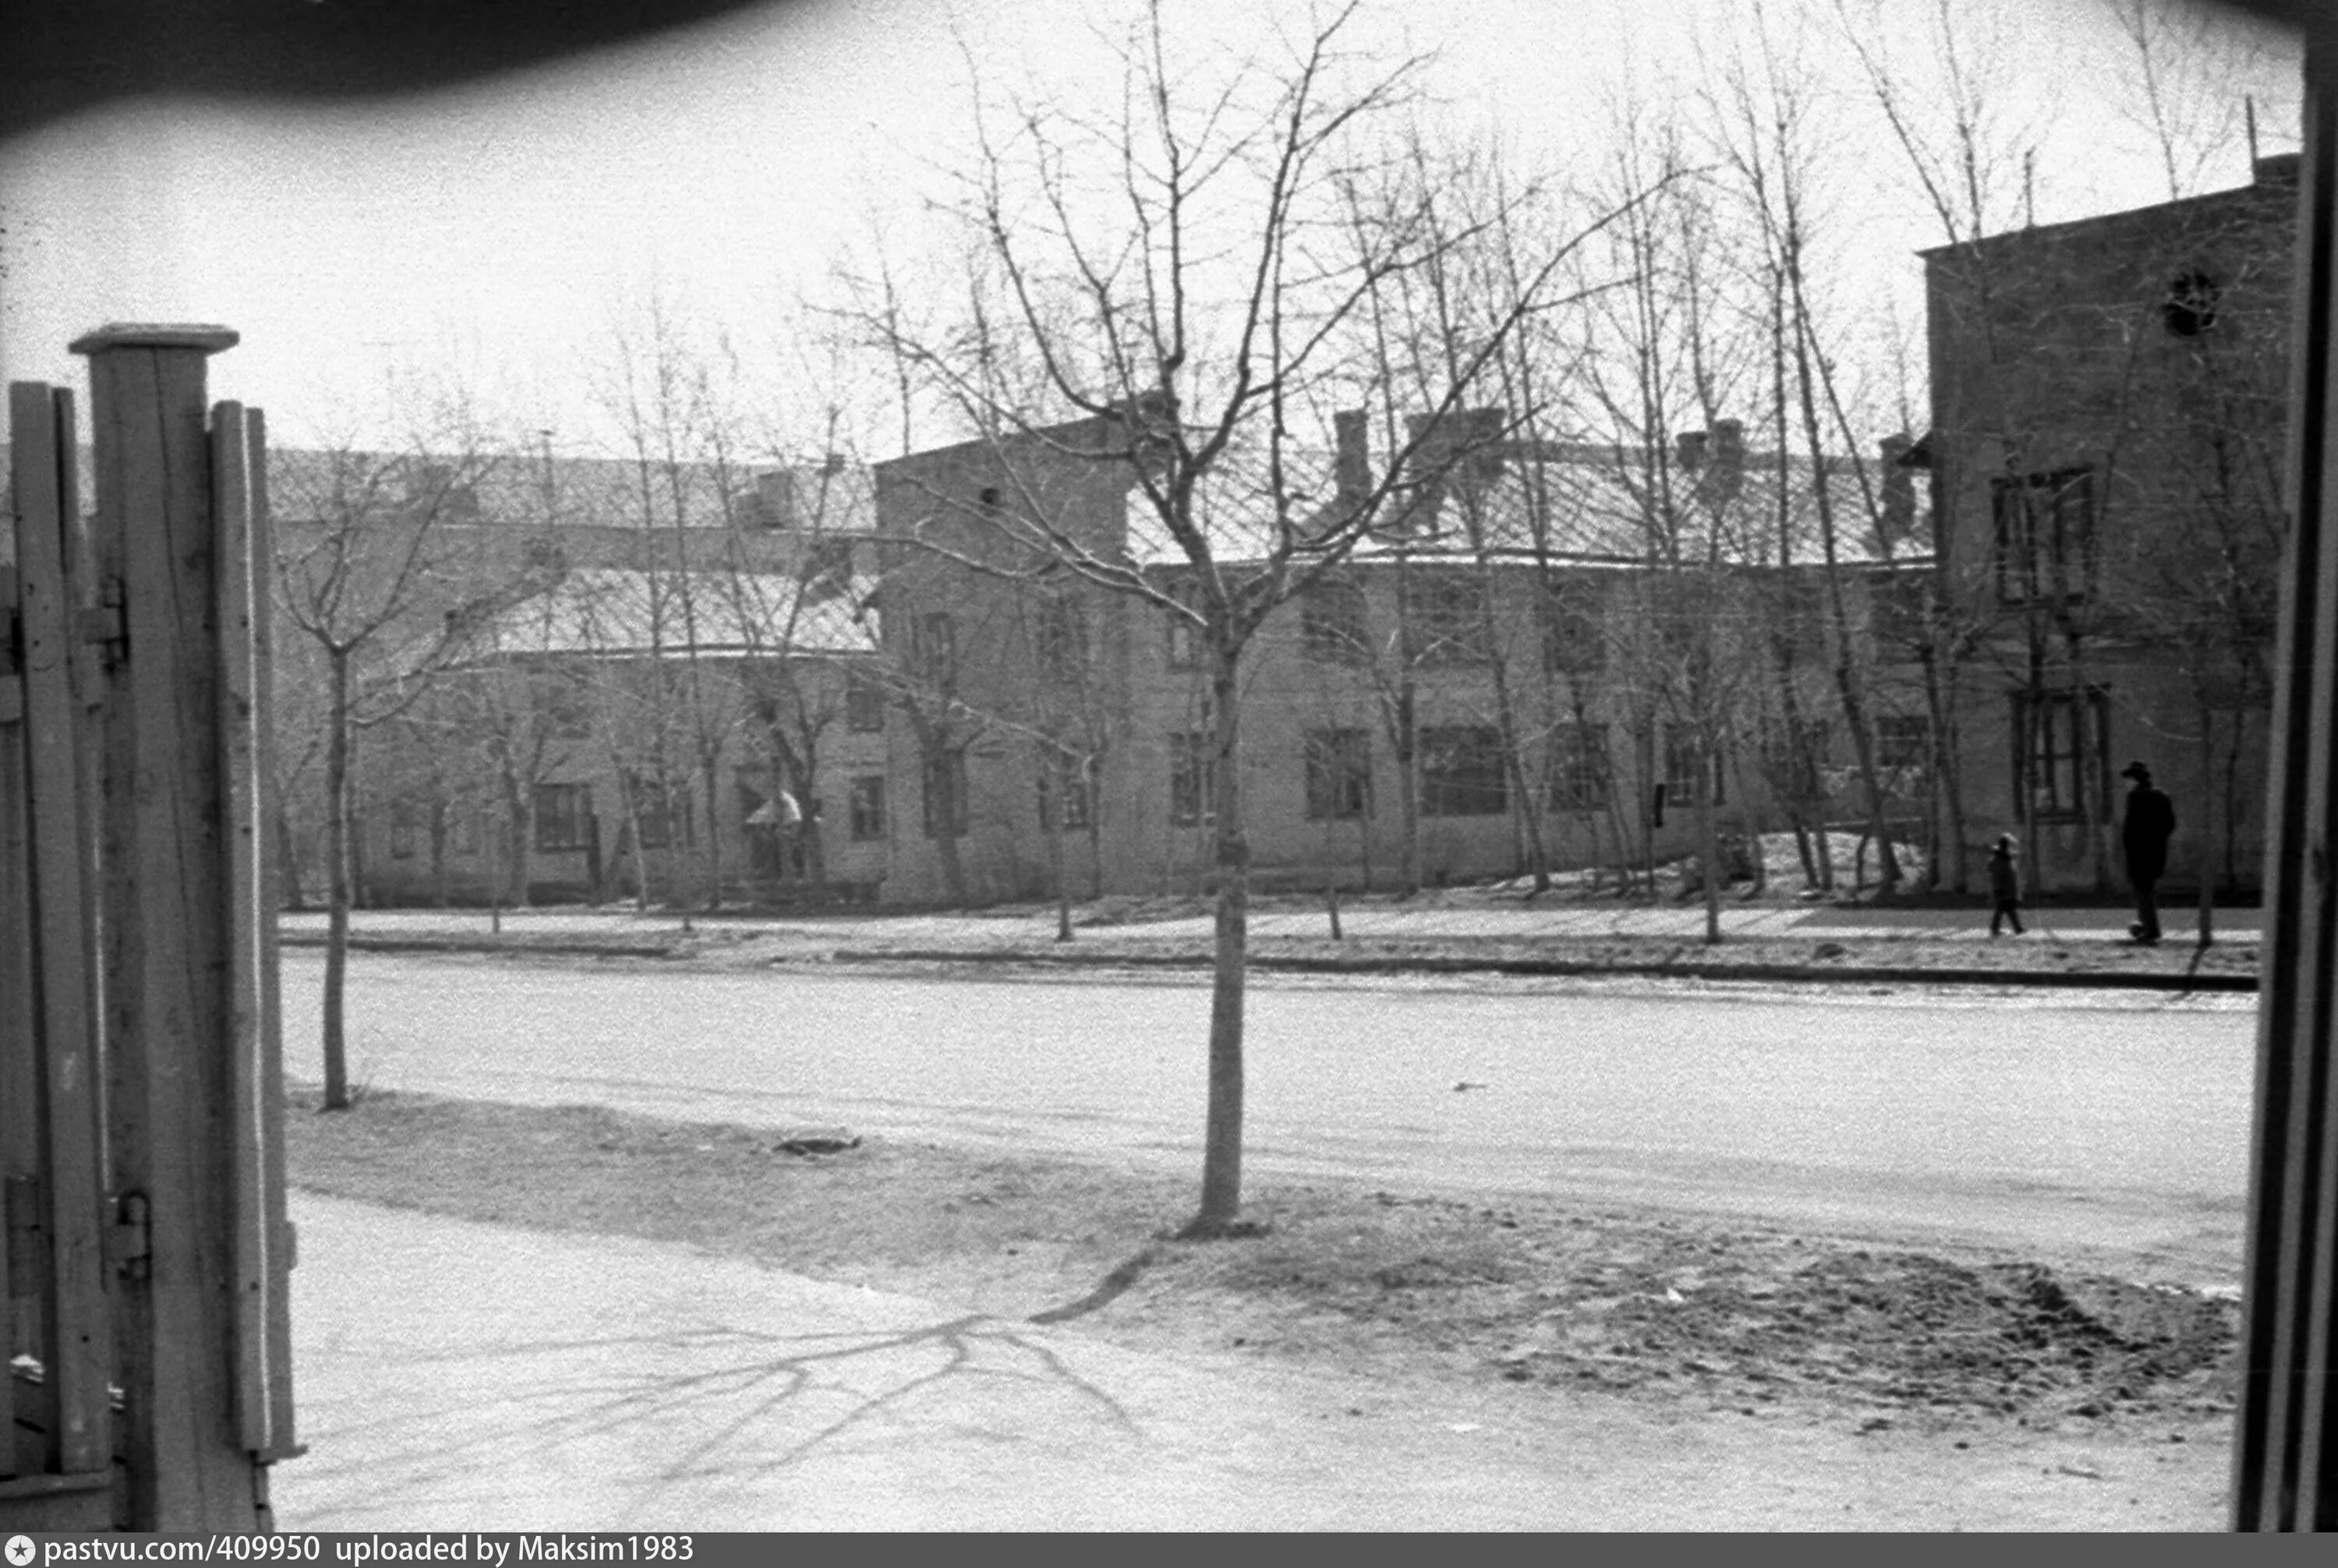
<point x="1525" y="1298"/>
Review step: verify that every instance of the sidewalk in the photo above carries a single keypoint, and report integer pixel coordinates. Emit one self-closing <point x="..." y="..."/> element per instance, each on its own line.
<point x="457" y="1376"/>
<point x="1024" y="923"/>
<point x="1440" y="934"/>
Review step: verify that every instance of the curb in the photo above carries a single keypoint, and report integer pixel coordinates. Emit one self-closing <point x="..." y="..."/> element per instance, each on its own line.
<point x="1298" y="964"/>
<point x="557" y="948"/>
<point x="1563" y="967"/>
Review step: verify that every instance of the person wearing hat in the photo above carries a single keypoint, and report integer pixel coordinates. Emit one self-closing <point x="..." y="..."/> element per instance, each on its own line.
<point x="2150" y="823"/>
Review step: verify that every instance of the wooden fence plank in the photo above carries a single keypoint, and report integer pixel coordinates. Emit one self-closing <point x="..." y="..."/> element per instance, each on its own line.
<point x="243" y="603"/>
<point x="72" y="1185"/>
<point x="283" y="1439"/>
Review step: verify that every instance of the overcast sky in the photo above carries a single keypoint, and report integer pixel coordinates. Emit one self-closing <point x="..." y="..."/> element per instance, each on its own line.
<point x="498" y="230"/>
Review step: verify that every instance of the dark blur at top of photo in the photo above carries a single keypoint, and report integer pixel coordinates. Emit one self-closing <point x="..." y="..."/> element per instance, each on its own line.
<point x="61" y="57"/>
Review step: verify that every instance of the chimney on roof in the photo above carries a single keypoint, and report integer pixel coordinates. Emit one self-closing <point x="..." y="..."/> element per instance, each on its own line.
<point x="1899" y="521"/>
<point x="1728" y="457"/>
<point x="2279" y="169"/>
<point x="773" y="504"/>
<point x="1461" y="448"/>
<point x="1691" y="445"/>
<point x="832" y="464"/>
<point x="1351" y="468"/>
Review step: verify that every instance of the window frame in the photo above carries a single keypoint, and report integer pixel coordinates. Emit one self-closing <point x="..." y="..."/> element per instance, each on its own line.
<point x="1335" y="622"/>
<point x="933" y="644"/>
<point x="1076" y="783"/>
<point x="1449" y="611"/>
<point x="2024" y="575"/>
<point x="942" y="779"/>
<point x="1893" y="733"/>
<point x="1575" y="630"/>
<point x="1579" y="768"/>
<point x="864" y="703"/>
<point x="1182" y="640"/>
<point x="866" y="810"/>
<point x="1337" y="764"/>
<point x="1680" y="752"/>
<point x="1193" y="778"/>
<point x="2067" y="707"/>
<point x="572" y="815"/>
<point x="1463" y="770"/>
<point x="405" y="824"/>
<point x="1059" y="636"/>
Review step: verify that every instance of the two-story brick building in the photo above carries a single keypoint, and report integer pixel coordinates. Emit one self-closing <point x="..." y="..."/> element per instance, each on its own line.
<point x="2108" y="429"/>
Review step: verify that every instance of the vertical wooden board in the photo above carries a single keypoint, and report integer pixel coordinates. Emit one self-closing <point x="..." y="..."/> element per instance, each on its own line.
<point x="165" y="903"/>
<point x="75" y="1307"/>
<point x="284" y="1438"/>
<point x="238" y="606"/>
<point x="19" y="1131"/>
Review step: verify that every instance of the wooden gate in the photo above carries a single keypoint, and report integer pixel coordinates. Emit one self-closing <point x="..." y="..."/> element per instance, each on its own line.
<point x="140" y="1081"/>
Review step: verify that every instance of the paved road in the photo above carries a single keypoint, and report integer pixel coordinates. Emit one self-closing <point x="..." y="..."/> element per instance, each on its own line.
<point x="2071" y="1124"/>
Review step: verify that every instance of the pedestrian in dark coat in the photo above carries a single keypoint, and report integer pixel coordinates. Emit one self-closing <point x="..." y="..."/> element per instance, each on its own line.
<point x="2004" y="886"/>
<point x="2150" y="823"/>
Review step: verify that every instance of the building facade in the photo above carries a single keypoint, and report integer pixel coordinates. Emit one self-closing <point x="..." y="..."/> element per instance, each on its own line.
<point x="2108" y="426"/>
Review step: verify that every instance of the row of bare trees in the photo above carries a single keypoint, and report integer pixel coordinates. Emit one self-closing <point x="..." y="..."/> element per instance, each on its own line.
<point x="1208" y="300"/>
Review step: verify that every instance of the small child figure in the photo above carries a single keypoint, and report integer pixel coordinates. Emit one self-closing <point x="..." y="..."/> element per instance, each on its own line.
<point x="2004" y="886"/>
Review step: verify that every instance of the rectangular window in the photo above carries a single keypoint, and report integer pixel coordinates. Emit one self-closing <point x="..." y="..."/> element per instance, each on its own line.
<point x="868" y="807"/>
<point x="1060" y="639"/>
<point x="1680" y="768"/>
<point x="864" y="703"/>
<point x="663" y="813"/>
<point x="945" y="796"/>
<point x="1192" y="773"/>
<point x="1581" y="779"/>
<point x="2061" y="744"/>
<point x="1069" y="782"/>
<point x="1184" y="633"/>
<point x="1902" y="740"/>
<point x="2045" y="536"/>
<point x="1462" y="771"/>
<point x="462" y="830"/>
<point x="933" y="646"/>
<point x="1793" y="757"/>
<point x="1331" y="624"/>
<point x="1448" y="618"/>
<point x="1575" y="630"/>
<point x="563" y="818"/>
<point x="1338" y="774"/>
<point x="404" y="830"/>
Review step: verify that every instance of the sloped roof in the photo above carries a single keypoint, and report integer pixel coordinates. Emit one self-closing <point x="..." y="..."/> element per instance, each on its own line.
<point x="1591" y="500"/>
<point x="520" y="489"/>
<point x="614" y="613"/>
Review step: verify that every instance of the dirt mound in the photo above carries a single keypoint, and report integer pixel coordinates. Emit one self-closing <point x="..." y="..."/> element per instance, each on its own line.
<point x="1742" y="1319"/>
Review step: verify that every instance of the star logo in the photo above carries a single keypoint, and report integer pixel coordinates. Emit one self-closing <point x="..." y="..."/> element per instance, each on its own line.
<point x="20" y="1551"/>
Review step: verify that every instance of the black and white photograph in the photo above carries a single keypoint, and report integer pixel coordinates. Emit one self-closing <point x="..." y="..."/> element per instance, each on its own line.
<point x="1161" y="765"/>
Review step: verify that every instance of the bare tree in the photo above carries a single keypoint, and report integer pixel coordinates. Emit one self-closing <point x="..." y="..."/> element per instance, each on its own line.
<point x="1188" y="328"/>
<point x="367" y="573"/>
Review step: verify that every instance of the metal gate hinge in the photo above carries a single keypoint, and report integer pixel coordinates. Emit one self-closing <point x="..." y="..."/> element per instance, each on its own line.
<point x="105" y="623"/>
<point x="133" y="1239"/>
<point x="20" y="1197"/>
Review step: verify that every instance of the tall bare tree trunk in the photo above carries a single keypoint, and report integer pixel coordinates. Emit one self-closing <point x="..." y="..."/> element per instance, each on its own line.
<point x="1221" y="1148"/>
<point x="337" y="887"/>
